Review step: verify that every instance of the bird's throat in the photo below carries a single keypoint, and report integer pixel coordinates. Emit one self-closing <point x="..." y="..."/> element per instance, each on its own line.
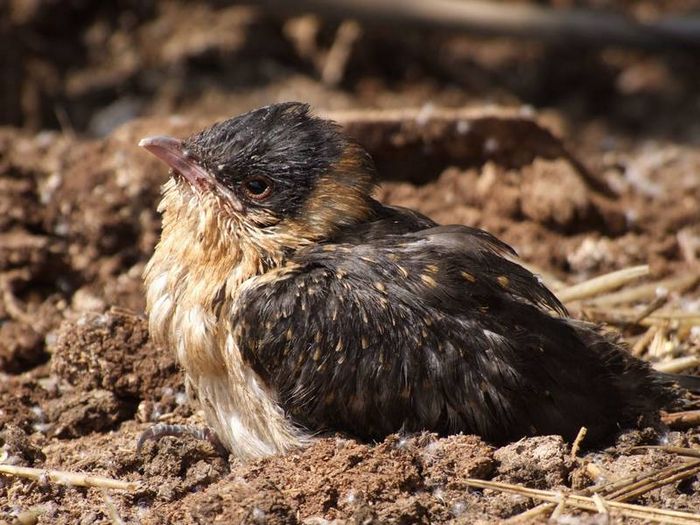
<point x="192" y="284"/>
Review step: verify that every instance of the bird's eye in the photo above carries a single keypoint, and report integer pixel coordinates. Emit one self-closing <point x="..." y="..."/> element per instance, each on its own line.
<point x="257" y="187"/>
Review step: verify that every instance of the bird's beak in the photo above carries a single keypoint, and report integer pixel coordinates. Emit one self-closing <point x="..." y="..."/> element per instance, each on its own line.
<point x="170" y="151"/>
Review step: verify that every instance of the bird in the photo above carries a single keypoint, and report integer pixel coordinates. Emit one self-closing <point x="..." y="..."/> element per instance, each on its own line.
<point x="297" y="305"/>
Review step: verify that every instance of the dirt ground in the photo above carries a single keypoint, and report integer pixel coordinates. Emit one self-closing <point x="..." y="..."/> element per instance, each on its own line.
<point x="585" y="160"/>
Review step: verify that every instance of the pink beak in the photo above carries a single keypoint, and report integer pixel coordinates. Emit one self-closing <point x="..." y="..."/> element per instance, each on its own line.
<point x="170" y="151"/>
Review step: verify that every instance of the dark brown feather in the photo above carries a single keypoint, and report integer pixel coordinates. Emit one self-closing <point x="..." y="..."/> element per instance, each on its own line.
<point x="436" y="330"/>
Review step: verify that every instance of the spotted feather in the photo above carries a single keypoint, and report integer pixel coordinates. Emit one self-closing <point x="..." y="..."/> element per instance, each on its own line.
<point x="403" y="341"/>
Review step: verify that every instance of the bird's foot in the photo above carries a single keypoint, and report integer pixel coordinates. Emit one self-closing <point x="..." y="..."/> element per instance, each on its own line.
<point x="163" y="429"/>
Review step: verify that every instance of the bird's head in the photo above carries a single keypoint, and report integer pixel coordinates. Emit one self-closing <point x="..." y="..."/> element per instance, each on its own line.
<point x="276" y="173"/>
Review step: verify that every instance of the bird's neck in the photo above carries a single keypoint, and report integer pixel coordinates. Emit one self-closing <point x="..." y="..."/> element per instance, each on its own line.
<point x="198" y="266"/>
<point x="192" y="283"/>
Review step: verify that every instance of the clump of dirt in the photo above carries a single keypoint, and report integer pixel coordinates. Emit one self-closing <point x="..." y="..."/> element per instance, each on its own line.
<point x="341" y="479"/>
<point x="553" y="194"/>
<point x="554" y="218"/>
<point x="80" y="413"/>
<point x="103" y="369"/>
<point x="21" y="347"/>
<point x="74" y="236"/>
<point x="235" y="501"/>
<point x="535" y="462"/>
<point x="525" y="207"/>
<point x="175" y="468"/>
<point x="112" y="351"/>
<point x="18" y="449"/>
<point x="21" y="398"/>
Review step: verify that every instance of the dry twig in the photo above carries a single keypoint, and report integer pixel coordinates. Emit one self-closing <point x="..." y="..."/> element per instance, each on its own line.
<point x="588" y="503"/>
<point x="620" y="490"/>
<point x="643" y="342"/>
<point x="628" y="315"/>
<point x="652" y="307"/>
<point x="658" y="345"/>
<point x="675" y="366"/>
<point x="602" y="284"/>
<point x="655" y="480"/>
<point x="336" y="59"/>
<point x="679" y="451"/>
<point x="77" y="479"/>
<point x="682" y="420"/>
<point x="112" y="511"/>
<point x="577" y="442"/>
<point x="648" y="291"/>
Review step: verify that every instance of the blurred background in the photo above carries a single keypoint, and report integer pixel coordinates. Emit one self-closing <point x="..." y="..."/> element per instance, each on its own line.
<point x="87" y="66"/>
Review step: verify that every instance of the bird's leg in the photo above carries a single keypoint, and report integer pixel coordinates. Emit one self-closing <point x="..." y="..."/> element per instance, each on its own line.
<point x="163" y="429"/>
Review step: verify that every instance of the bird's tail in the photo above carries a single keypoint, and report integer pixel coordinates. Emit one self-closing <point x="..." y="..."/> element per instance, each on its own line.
<point x="690" y="383"/>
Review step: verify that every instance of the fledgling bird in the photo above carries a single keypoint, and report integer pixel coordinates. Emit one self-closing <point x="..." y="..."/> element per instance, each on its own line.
<point x="296" y="304"/>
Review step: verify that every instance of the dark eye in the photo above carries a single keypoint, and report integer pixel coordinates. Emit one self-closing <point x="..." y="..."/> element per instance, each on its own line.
<point x="257" y="187"/>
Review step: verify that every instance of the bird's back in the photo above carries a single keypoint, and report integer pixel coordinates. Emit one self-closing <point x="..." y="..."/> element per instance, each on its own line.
<point x="412" y="327"/>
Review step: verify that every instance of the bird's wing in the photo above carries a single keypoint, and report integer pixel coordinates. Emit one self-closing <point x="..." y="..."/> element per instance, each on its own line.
<point x="433" y="329"/>
<point x="385" y="220"/>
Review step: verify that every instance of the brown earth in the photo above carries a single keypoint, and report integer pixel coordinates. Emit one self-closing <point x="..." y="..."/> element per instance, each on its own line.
<point x="594" y="167"/>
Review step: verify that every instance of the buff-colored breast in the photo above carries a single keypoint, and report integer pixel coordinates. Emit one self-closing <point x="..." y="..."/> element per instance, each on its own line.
<point x="192" y="284"/>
